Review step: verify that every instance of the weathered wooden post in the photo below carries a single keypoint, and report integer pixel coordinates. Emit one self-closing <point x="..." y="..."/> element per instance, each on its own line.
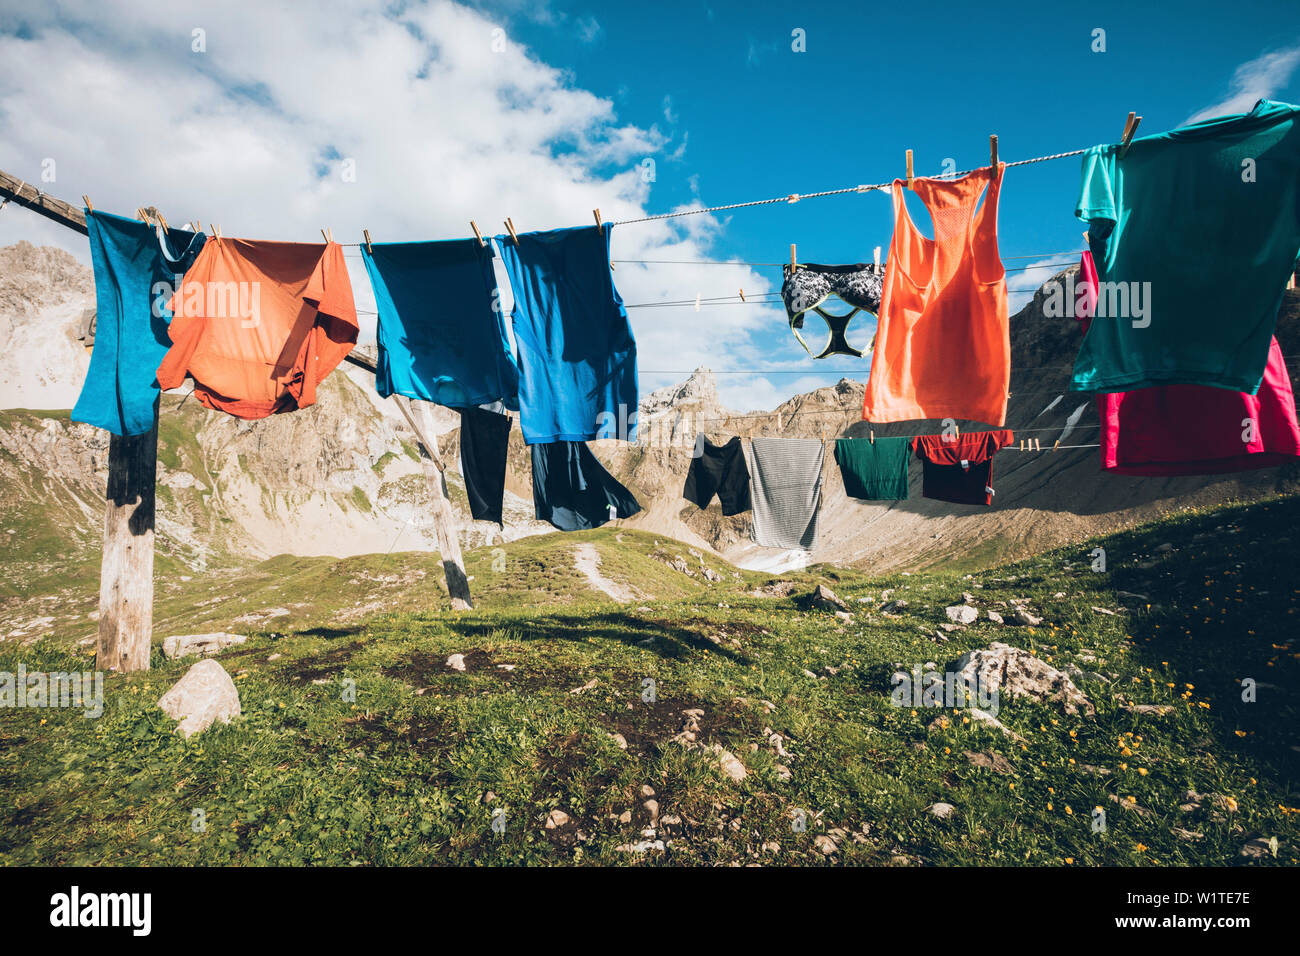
<point x="126" y="574"/>
<point x="417" y="415"/>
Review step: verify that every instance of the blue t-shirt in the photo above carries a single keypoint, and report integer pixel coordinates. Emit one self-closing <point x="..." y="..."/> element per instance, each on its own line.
<point x="577" y="357"/>
<point x="441" y="334"/>
<point x="136" y="272"/>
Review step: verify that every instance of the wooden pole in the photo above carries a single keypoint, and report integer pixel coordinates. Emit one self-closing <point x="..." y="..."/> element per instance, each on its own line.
<point x="28" y="196"/>
<point x="126" y="574"/>
<point x="444" y="519"/>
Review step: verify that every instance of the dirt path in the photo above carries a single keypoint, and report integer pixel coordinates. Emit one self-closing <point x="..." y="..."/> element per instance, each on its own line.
<point x="587" y="560"/>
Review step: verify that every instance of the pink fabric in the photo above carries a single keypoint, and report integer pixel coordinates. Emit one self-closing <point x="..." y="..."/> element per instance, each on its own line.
<point x="1193" y="429"/>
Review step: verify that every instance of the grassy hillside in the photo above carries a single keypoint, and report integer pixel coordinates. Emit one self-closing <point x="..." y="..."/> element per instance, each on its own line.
<point x="410" y="768"/>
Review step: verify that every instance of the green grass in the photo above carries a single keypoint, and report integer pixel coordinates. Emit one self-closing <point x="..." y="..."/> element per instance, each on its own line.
<point x="401" y="772"/>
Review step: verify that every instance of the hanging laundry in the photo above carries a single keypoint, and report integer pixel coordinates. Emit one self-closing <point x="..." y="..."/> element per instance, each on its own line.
<point x="785" y="490"/>
<point x="130" y="259"/>
<point x="943" y="347"/>
<point x="577" y="357"/>
<point x="808" y="285"/>
<point x="959" y="468"/>
<point x="1193" y="429"/>
<point x="1195" y="232"/>
<point x="260" y="324"/>
<point x="720" y="470"/>
<point x="874" y="470"/>
<point x="573" y="491"/>
<point x="441" y="334"/>
<point x="484" y="442"/>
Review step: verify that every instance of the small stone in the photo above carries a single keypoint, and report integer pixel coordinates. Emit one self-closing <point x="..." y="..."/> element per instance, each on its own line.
<point x="825" y="599"/>
<point x="994" y="616"/>
<point x="625" y="816"/>
<point x="456" y="662"/>
<point x="825" y="844"/>
<point x="941" y="811"/>
<point x="652" y="808"/>
<point x="556" y="818"/>
<point x="730" y="764"/>
<point x="1024" y="618"/>
<point x="619" y="740"/>
<point x="1260" y="847"/>
<point x="204" y="695"/>
<point x="194" y="645"/>
<point x="962" y="614"/>
<point x="647" y="791"/>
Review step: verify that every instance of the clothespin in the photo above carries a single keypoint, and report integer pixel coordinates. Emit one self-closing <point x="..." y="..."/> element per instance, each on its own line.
<point x="697" y="302"/>
<point x="792" y="198"/>
<point x="956" y="431"/>
<point x="86" y="200"/>
<point x="909" y="169"/>
<point x="162" y="221"/>
<point x="742" y="295"/>
<point x="778" y="421"/>
<point x="877" y="254"/>
<point x="1086" y="240"/>
<point x="477" y="235"/>
<point x="1130" y="127"/>
<point x="511" y="227"/>
<point x="1022" y="444"/>
<point x="872" y="434"/>
<point x="139" y="214"/>
<point x="1038" y="446"/>
<point x="1056" y="444"/>
<point x="794" y="266"/>
<point x="596" y="212"/>
<point x="214" y="229"/>
<point x="993" y="152"/>
<point x="327" y="235"/>
<point x="369" y="248"/>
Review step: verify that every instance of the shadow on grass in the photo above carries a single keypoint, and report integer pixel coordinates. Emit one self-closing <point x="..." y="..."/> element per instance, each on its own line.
<point x="1223" y="610"/>
<point x="664" y="638"/>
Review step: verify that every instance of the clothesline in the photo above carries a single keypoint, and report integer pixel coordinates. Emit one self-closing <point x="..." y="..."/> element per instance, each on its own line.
<point x="797" y="197"/>
<point x="792" y="198"/>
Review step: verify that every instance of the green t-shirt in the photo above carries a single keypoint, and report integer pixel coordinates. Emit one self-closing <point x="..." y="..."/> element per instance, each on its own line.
<point x="874" y="470"/>
<point x="1194" y="233"/>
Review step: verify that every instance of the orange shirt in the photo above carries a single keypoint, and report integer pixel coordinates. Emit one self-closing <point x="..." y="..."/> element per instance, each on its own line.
<point x="943" y="346"/>
<point x="260" y="324"/>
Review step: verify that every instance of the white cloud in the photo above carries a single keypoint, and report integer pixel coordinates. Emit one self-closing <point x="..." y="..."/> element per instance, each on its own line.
<point x="1022" y="284"/>
<point x="252" y="134"/>
<point x="1254" y="80"/>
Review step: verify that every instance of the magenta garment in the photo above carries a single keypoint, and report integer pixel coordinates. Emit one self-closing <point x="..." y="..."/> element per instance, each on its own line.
<point x="1193" y="429"/>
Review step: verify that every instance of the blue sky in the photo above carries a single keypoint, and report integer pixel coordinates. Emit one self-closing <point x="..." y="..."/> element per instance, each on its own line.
<point x="442" y="126"/>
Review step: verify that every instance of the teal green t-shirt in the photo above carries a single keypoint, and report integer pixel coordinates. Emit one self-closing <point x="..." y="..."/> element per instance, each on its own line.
<point x="875" y="470"/>
<point x="1194" y="233"/>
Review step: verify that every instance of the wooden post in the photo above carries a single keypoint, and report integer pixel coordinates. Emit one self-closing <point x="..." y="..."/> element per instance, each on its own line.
<point x="444" y="519"/>
<point x="126" y="574"/>
<point x="29" y="197"/>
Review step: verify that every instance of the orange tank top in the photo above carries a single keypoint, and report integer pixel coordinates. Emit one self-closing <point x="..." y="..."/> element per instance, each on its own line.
<point x="942" y="342"/>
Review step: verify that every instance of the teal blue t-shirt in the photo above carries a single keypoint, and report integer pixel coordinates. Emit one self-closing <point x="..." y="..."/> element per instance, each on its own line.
<point x="1194" y="233"/>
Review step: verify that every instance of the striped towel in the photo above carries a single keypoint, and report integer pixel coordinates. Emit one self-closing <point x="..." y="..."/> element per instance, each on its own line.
<point x="786" y="490"/>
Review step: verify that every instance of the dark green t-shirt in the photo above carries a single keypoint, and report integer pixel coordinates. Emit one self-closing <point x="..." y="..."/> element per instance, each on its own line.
<point x="874" y="470"/>
<point x="1194" y="233"/>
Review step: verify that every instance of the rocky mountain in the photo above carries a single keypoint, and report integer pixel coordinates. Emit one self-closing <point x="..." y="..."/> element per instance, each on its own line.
<point x="343" y="477"/>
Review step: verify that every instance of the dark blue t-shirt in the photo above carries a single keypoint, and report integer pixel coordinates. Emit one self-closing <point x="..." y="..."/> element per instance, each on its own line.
<point x="441" y="334"/>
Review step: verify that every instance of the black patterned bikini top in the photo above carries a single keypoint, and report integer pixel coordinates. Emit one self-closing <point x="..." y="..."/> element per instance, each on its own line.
<point x="808" y="286"/>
